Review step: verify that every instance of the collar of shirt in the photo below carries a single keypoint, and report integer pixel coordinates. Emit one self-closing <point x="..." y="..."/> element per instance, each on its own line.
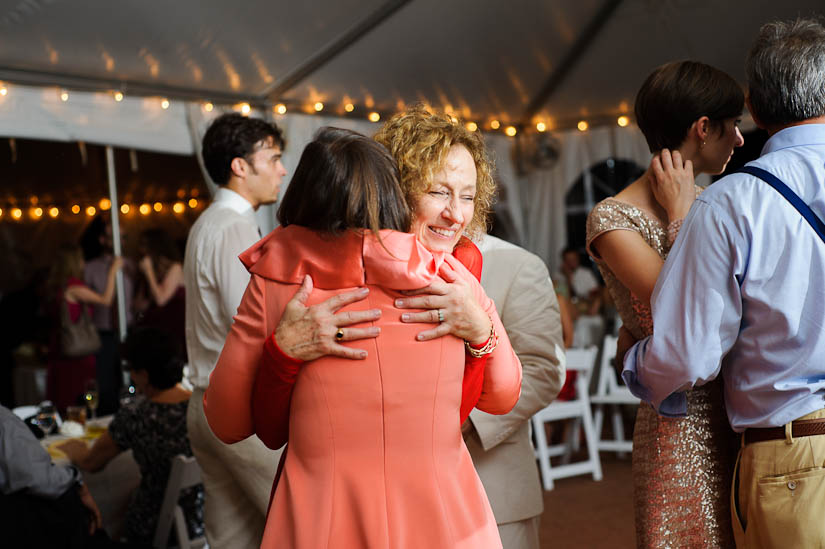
<point x="228" y="198"/>
<point x="795" y="136"/>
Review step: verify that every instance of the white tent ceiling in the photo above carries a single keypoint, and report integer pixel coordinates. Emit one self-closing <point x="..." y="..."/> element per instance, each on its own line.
<point x="516" y="61"/>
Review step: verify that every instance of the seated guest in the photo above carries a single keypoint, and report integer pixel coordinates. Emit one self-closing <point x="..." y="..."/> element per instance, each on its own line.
<point x="48" y="505"/>
<point x="154" y="428"/>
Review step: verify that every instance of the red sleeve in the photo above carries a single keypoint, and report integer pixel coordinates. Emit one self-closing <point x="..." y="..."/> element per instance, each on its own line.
<point x="272" y="394"/>
<point x="470" y="256"/>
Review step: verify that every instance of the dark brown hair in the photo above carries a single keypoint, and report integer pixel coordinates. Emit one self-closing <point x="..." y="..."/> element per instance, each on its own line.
<point x="345" y="180"/>
<point x="677" y="94"/>
<point x="233" y="136"/>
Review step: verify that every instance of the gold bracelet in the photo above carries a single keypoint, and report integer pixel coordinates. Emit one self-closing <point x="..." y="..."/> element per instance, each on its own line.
<point x="489" y="346"/>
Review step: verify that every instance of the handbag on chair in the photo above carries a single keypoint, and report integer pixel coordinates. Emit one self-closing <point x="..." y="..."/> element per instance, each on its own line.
<point x="78" y="338"/>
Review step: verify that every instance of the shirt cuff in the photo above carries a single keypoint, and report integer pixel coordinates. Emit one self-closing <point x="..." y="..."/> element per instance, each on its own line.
<point x="674" y="405"/>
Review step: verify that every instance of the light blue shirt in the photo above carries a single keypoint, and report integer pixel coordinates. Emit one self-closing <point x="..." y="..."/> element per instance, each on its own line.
<point x="743" y="292"/>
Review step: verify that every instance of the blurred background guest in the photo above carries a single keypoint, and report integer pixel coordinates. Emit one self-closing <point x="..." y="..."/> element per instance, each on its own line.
<point x="161" y="296"/>
<point x="99" y="254"/>
<point x="67" y="376"/>
<point x="42" y="504"/>
<point x="154" y="428"/>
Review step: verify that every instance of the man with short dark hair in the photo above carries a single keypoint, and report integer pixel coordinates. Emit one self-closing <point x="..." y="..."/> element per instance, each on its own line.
<point x="743" y="293"/>
<point x="243" y="157"/>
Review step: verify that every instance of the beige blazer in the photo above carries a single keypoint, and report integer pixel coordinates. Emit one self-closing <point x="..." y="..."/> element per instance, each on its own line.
<point x="520" y="286"/>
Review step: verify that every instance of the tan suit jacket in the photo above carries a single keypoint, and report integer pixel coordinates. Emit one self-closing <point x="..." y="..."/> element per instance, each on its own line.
<point x="520" y="286"/>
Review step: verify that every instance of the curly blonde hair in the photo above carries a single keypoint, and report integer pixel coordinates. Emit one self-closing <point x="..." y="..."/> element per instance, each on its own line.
<point x="419" y="140"/>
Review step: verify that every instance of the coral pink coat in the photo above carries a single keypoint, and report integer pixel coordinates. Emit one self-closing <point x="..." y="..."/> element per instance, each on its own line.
<point x="376" y="458"/>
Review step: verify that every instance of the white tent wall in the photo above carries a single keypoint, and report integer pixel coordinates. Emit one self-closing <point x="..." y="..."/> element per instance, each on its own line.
<point x="535" y="203"/>
<point x="94" y="117"/>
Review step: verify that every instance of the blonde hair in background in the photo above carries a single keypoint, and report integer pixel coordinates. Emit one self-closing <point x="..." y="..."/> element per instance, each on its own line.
<point x="68" y="262"/>
<point x="419" y="140"/>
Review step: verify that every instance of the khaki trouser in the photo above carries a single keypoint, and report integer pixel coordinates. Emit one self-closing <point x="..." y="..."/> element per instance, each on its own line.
<point x="781" y="492"/>
<point x="237" y="479"/>
<point x="523" y="534"/>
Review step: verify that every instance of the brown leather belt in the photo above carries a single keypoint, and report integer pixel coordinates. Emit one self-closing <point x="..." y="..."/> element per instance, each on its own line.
<point x="799" y="428"/>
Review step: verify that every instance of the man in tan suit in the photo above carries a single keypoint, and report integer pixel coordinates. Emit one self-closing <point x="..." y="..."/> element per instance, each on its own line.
<point x="519" y="284"/>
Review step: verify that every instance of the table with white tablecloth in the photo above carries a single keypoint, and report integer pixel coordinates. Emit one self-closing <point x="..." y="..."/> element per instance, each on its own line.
<point x="112" y="487"/>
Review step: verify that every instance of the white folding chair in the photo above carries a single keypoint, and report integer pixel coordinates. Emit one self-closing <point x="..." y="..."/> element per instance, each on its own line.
<point x="185" y="472"/>
<point x="578" y="409"/>
<point x="611" y="395"/>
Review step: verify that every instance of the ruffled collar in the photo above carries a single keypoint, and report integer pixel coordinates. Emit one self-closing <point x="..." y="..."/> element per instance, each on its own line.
<point x="354" y="258"/>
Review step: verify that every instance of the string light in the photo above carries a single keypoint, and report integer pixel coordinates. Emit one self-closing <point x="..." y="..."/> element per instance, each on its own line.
<point x="495" y="124"/>
<point x="582" y="125"/>
<point x="158" y="206"/>
<point x="280" y="108"/>
<point x="208" y="106"/>
<point x="472" y="126"/>
<point x="453" y="119"/>
<point x="75" y="209"/>
<point x="91" y="211"/>
<point x="349" y="107"/>
<point x="164" y="103"/>
<point x="193" y="203"/>
<point x="1" y="212"/>
<point x="37" y="213"/>
<point x="145" y="209"/>
<point x="541" y="126"/>
<point x="118" y="96"/>
<point x="318" y="106"/>
<point x="510" y="131"/>
<point x="105" y="204"/>
<point x="64" y="96"/>
<point x="54" y="211"/>
<point x="374" y="117"/>
<point x="16" y="213"/>
<point x="245" y="109"/>
<point x="124" y="209"/>
<point x="623" y="121"/>
<point x="3" y="90"/>
<point x="178" y="207"/>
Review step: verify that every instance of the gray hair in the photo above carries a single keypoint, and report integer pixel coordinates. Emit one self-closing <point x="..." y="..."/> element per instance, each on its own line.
<point x="786" y="72"/>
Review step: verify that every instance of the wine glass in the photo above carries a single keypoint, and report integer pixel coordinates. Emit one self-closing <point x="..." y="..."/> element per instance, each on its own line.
<point x="45" y="418"/>
<point x="91" y="396"/>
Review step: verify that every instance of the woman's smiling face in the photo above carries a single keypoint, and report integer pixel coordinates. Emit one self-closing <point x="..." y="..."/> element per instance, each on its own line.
<point x="442" y="214"/>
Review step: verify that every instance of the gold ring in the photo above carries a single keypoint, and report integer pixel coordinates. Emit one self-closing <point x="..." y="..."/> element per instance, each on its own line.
<point x="339" y="335"/>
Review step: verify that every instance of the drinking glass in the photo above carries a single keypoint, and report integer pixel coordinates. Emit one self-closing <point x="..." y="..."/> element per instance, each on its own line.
<point x="76" y="414"/>
<point x="91" y="396"/>
<point x="45" y="417"/>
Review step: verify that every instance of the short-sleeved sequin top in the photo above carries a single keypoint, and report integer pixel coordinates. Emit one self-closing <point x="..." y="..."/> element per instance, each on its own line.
<point x="610" y="215"/>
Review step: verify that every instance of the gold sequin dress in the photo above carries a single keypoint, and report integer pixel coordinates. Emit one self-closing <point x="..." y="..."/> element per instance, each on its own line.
<point x="682" y="467"/>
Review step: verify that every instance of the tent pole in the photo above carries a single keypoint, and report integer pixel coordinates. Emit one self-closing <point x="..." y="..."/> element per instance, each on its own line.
<point x="121" y="296"/>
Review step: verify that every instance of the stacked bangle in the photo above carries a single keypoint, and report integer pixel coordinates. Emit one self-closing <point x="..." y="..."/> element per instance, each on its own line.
<point x="488" y="347"/>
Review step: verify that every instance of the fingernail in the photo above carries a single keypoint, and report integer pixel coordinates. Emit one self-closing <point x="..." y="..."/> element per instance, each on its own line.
<point x="375" y="331"/>
<point x="419" y="337"/>
<point x="376" y="312"/>
<point x="405" y="317"/>
<point x="362" y="354"/>
<point x="363" y="291"/>
<point x="399" y="302"/>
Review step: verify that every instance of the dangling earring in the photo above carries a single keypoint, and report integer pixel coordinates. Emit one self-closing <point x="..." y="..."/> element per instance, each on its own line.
<point x="702" y="146"/>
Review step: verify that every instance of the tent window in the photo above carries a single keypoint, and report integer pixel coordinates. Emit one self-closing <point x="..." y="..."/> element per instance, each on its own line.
<point x="601" y="180"/>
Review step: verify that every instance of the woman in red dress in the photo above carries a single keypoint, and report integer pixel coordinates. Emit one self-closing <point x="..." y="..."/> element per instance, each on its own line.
<point x="67" y="376"/>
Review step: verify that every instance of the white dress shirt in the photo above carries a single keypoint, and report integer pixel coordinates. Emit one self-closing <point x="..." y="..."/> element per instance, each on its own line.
<point x="215" y="278"/>
<point x="743" y="292"/>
